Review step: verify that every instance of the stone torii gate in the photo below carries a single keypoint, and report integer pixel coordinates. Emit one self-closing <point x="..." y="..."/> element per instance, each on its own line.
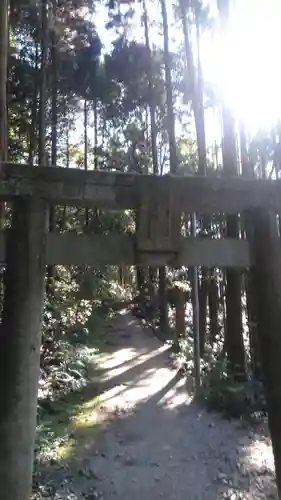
<point x="26" y="247"/>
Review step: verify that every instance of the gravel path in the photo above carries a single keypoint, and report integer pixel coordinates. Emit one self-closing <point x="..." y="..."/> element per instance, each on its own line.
<point x="157" y="443"/>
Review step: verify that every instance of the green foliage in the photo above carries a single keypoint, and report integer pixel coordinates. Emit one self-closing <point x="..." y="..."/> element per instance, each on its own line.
<point x="73" y="343"/>
<point x="233" y="399"/>
<point x="57" y="424"/>
<point x="219" y="391"/>
<point x="73" y="327"/>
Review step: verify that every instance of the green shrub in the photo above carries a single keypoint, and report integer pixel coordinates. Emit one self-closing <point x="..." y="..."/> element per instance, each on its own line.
<point x="234" y="399"/>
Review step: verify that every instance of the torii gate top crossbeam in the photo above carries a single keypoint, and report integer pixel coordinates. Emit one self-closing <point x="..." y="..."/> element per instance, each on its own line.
<point x="119" y="191"/>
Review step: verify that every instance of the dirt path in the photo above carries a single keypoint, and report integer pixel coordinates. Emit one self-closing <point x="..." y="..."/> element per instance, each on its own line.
<point x="157" y="443"/>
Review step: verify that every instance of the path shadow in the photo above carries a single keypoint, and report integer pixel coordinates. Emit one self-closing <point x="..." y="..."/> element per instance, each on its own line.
<point x="165" y="446"/>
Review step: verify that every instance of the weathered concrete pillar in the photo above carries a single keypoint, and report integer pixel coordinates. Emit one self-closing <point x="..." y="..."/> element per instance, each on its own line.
<point x="267" y="284"/>
<point x="20" y="346"/>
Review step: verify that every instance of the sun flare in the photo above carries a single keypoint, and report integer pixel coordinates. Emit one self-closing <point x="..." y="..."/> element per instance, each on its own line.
<point x="243" y="64"/>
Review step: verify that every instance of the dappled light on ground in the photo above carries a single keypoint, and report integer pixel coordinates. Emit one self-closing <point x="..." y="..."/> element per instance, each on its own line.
<point x="260" y="454"/>
<point x="132" y="379"/>
<point x="141" y="435"/>
<point x="73" y="422"/>
<point x="87" y="417"/>
<point x="258" y="459"/>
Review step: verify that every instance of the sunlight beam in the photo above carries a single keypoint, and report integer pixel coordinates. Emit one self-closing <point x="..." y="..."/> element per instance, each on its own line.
<point x="244" y="70"/>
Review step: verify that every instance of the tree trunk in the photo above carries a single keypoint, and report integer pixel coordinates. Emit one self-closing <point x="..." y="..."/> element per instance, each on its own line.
<point x="43" y="86"/>
<point x="4" y="36"/>
<point x="20" y="346"/>
<point x="169" y="92"/>
<point x="3" y="91"/>
<point x="163" y="302"/>
<point x="248" y="173"/>
<point x="203" y="297"/>
<point x="234" y="328"/>
<point x="33" y="125"/>
<point x="196" y="328"/>
<point x="152" y="273"/>
<point x="277" y="166"/>
<point x="267" y="280"/>
<point x="213" y="307"/>
<point x="95" y="110"/>
<point x="95" y="212"/>
<point x="120" y="275"/>
<point x="54" y="134"/>
<point x="140" y="272"/>
<point x="153" y="127"/>
<point x="252" y="324"/>
<point x="196" y="81"/>
<point x="152" y="110"/>
<point x="67" y="154"/>
<point x="222" y="289"/>
<point x="86" y="152"/>
<point x="3" y="77"/>
<point x="180" y="314"/>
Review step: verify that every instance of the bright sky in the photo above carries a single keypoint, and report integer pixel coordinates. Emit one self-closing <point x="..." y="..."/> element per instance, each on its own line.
<point x="244" y="69"/>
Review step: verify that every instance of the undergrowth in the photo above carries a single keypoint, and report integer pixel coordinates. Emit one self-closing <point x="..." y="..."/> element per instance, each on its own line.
<point x="65" y="390"/>
<point x="219" y="391"/>
<point x="73" y="344"/>
<point x="56" y="430"/>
